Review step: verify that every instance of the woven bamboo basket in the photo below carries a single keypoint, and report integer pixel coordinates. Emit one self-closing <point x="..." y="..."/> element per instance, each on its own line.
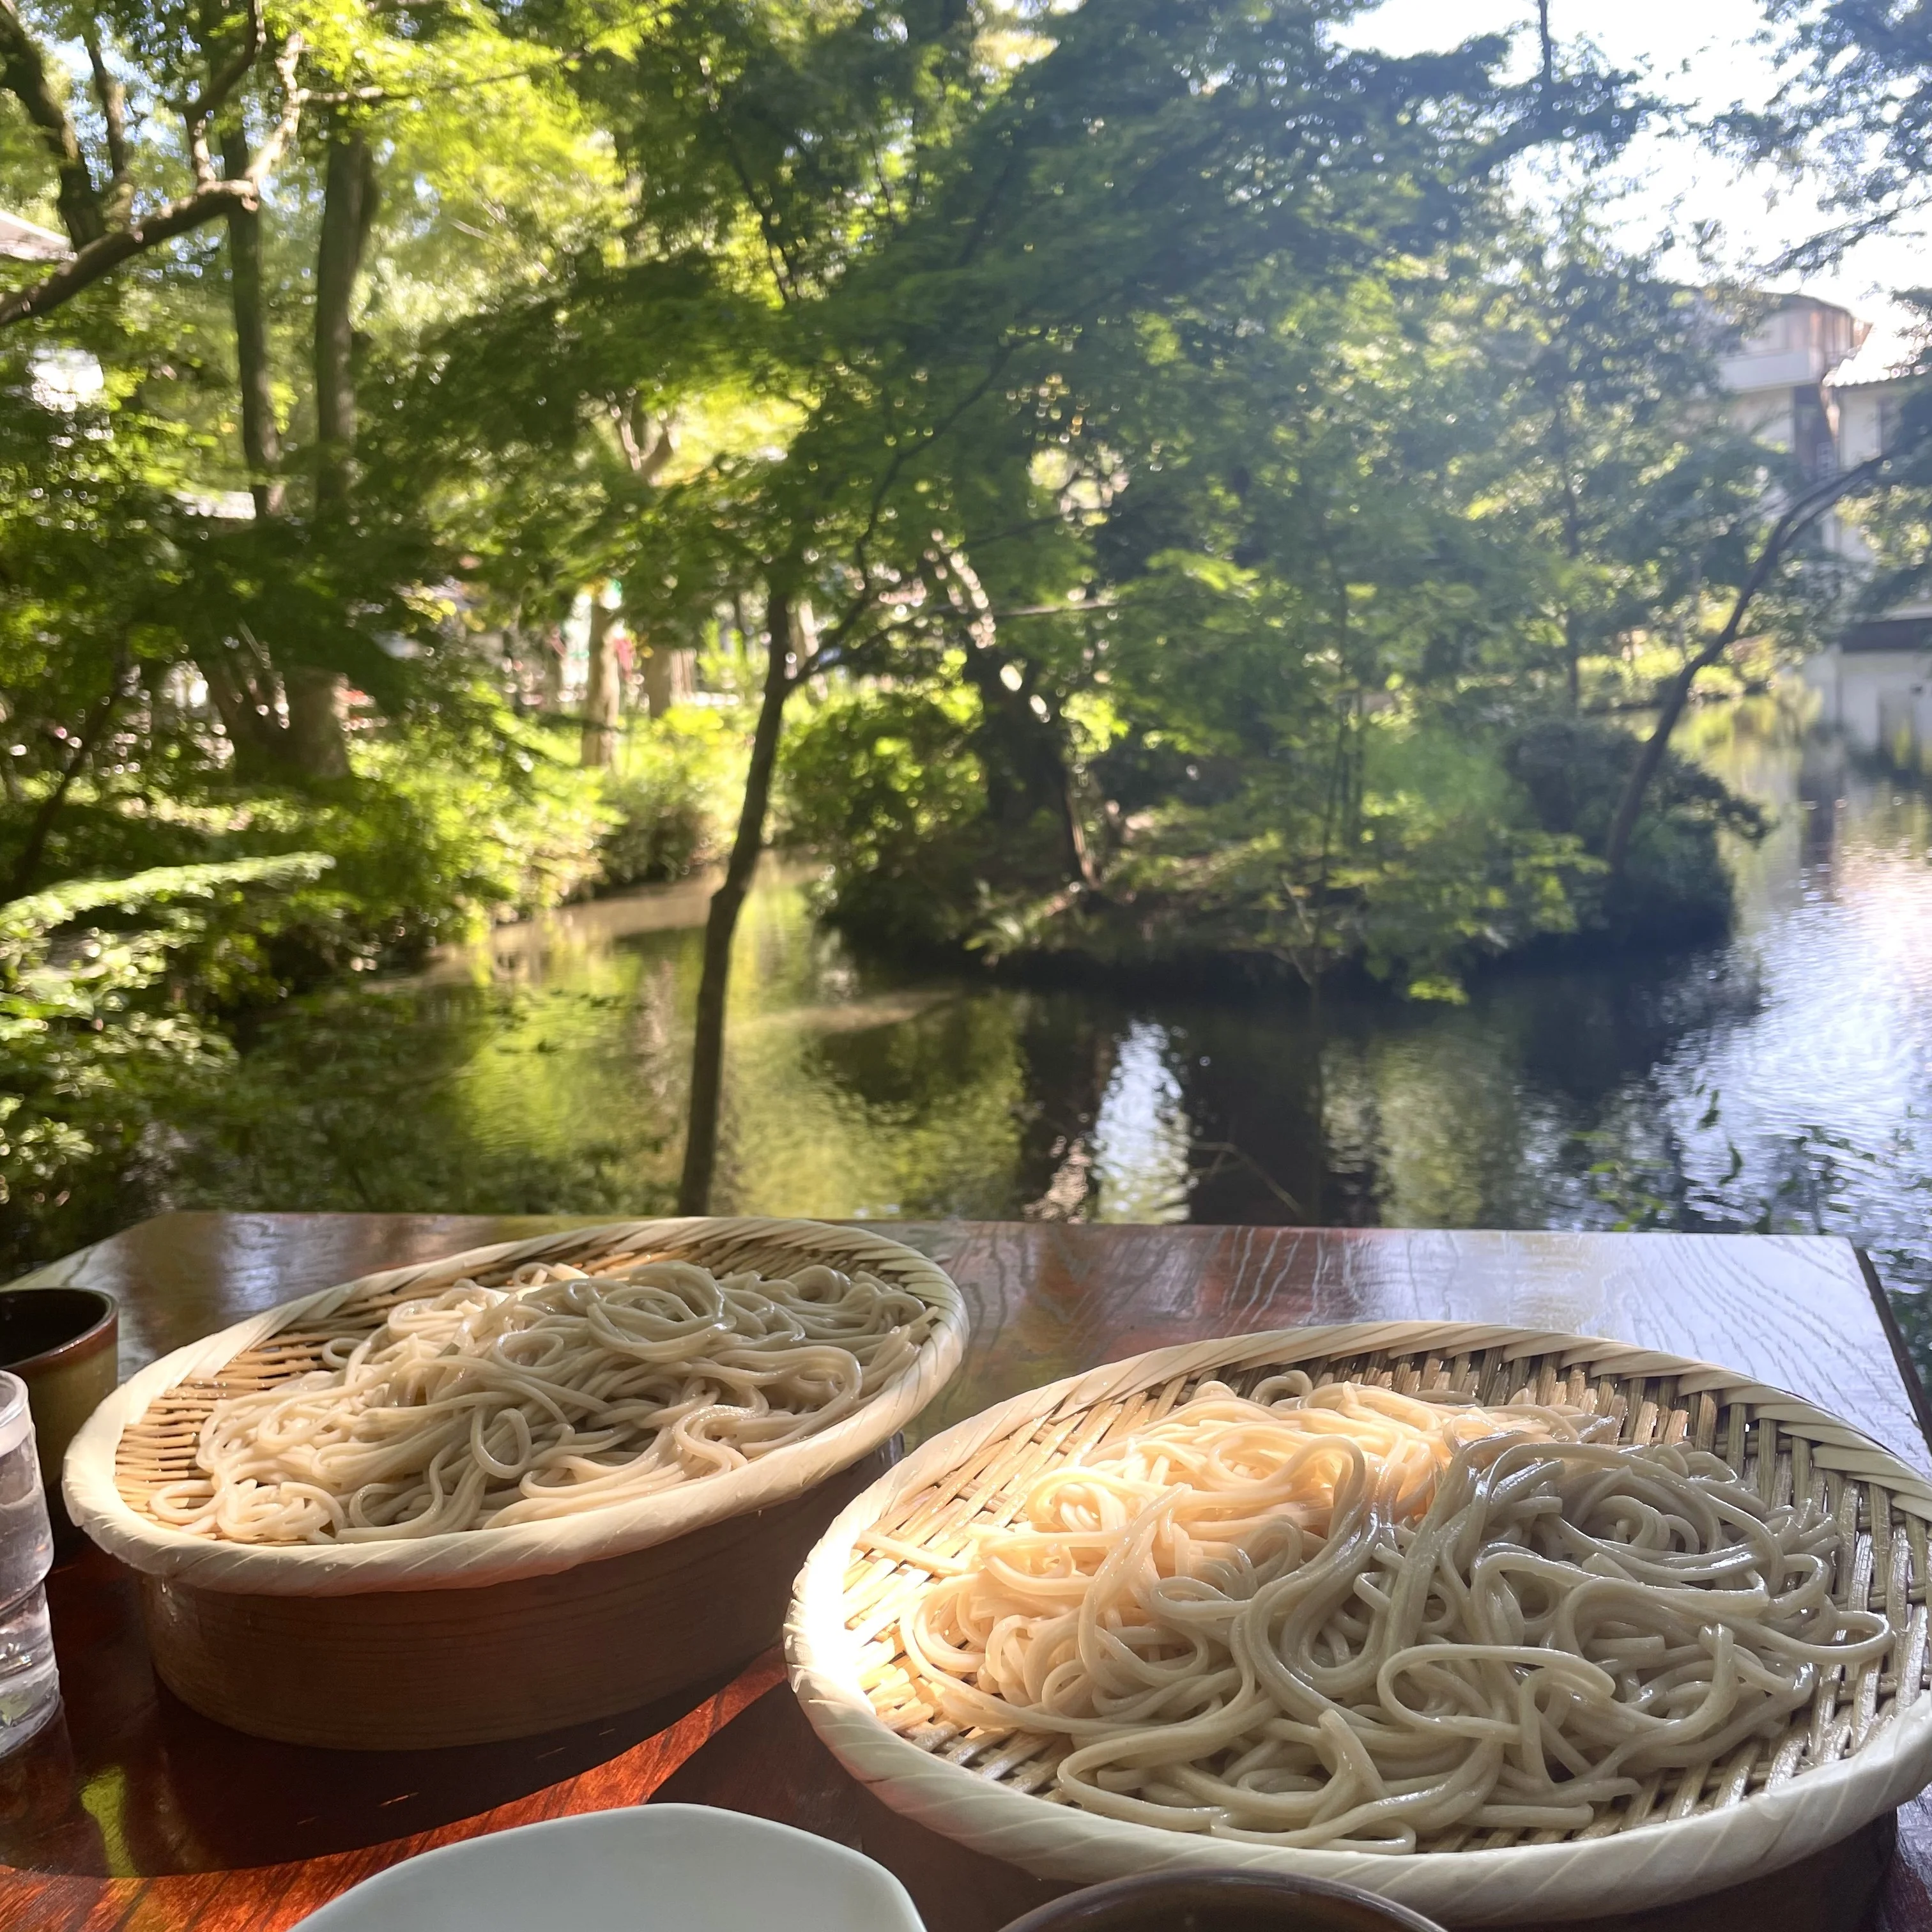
<point x="483" y="1634"/>
<point x="1860" y="1749"/>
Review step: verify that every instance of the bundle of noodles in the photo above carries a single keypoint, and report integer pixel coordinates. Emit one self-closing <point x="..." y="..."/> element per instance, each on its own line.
<point x="1344" y="1618"/>
<point x="556" y="1393"/>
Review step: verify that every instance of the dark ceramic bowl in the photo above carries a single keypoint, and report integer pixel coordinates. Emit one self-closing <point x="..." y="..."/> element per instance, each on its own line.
<point x="61" y="1343"/>
<point x="1229" y="1901"/>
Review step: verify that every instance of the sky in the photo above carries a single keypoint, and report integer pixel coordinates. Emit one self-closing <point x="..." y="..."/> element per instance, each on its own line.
<point x="1702" y="53"/>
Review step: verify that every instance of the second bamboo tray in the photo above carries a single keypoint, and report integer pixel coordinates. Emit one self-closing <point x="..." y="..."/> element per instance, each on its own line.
<point x="1859" y="1749"/>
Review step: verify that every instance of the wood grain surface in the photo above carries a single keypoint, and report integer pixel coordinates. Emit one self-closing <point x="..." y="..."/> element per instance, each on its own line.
<point x="134" y="1813"/>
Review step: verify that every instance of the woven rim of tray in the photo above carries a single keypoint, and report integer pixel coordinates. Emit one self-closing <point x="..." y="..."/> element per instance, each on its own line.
<point x="145" y="1434"/>
<point x="1858" y="1749"/>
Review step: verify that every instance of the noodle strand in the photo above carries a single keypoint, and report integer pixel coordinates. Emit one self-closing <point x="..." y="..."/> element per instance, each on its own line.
<point x="556" y="1393"/>
<point x="1347" y="1618"/>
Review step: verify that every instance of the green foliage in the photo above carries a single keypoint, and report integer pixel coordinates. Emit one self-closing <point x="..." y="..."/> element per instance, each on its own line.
<point x="1454" y="866"/>
<point x="1201" y="496"/>
<point x="1674" y="886"/>
<point x="1319" y="633"/>
<point x="1854" y="117"/>
<point x="884" y="786"/>
<point x="429" y="840"/>
<point x="104" y="987"/>
<point x="435" y="848"/>
<point x="1434" y="863"/>
<point x="674" y="793"/>
<point x="119" y="995"/>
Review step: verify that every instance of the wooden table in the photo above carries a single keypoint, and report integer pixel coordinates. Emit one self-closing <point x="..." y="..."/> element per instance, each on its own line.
<point x="133" y="1814"/>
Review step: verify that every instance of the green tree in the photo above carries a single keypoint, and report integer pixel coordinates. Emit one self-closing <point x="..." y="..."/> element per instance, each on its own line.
<point x="1010" y="314"/>
<point x="1615" y="454"/>
<point x="316" y="275"/>
<point x="1854" y="116"/>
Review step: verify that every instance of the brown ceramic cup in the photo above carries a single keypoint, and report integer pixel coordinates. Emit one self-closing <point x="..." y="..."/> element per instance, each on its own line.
<point x="1221" y="1901"/>
<point x="61" y="1343"/>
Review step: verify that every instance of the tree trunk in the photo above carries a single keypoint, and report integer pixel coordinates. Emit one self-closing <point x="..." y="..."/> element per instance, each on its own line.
<point x="669" y="677"/>
<point x="317" y="746"/>
<point x="247" y="709"/>
<point x="313" y="743"/>
<point x="26" y="867"/>
<point x="261" y="436"/>
<point x="707" y="1052"/>
<point x="1025" y="761"/>
<point x="24" y="73"/>
<point x="603" y="686"/>
<point x="654" y="661"/>
<point x="348" y="207"/>
<point x="1795" y="521"/>
<point x="550" y="671"/>
<point x="1573" y="548"/>
<point x="1079" y="859"/>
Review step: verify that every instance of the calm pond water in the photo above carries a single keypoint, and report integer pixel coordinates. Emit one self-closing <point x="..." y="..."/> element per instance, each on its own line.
<point x="1780" y="1080"/>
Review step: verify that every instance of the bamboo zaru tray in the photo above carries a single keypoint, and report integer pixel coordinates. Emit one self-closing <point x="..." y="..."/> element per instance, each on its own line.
<point x="1858" y="1749"/>
<point x="495" y="1632"/>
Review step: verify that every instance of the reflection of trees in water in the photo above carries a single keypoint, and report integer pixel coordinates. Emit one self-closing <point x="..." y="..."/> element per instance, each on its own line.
<point x="1068" y="1044"/>
<point x="912" y="1116"/>
<point x="1569" y="1093"/>
<point x="470" y="1100"/>
<point x="1250" y="1080"/>
<point x="1368" y="1111"/>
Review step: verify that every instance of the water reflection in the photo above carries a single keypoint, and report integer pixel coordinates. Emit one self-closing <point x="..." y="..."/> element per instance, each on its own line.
<point x="1779" y="1080"/>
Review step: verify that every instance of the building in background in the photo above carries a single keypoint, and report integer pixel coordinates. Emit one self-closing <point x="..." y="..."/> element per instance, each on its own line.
<point x="1814" y="380"/>
<point x="22" y="241"/>
<point x="1782" y="377"/>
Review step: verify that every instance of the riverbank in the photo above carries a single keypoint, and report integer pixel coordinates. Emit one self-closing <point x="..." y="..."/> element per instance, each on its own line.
<point x="1779" y="1078"/>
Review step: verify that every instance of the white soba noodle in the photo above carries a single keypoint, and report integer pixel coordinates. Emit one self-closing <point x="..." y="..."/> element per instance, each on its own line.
<point x="1344" y="1618"/>
<point x="556" y="1393"/>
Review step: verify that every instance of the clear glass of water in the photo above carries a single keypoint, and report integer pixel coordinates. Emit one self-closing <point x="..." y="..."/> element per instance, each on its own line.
<point x="29" y="1682"/>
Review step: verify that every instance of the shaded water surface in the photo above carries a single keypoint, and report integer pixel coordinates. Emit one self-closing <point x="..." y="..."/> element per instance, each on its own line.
<point x="1780" y="1080"/>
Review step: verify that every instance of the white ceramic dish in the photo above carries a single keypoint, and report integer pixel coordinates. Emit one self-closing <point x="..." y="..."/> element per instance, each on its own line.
<point x="645" y="1868"/>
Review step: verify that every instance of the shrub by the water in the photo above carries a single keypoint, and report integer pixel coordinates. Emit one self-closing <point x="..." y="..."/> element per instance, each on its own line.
<point x="885" y="787"/>
<point x="1674" y="887"/>
<point x="122" y="990"/>
<point x="1459" y="841"/>
<point x="673" y="796"/>
<point x="106" y="989"/>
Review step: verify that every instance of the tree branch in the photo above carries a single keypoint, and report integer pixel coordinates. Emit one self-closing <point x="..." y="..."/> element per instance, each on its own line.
<point x="211" y="202"/>
<point x="24" y="72"/>
<point x="119" y="201"/>
<point x="268" y="155"/>
<point x="646" y="441"/>
<point x="107" y="253"/>
<point x="1798" y="517"/>
<point x="777" y="251"/>
<point x="707" y="1052"/>
<point x="28" y="865"/>
<point x="835" y="644"/>
<point x="200" y="112"/>
<point x="261" y="433"/>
